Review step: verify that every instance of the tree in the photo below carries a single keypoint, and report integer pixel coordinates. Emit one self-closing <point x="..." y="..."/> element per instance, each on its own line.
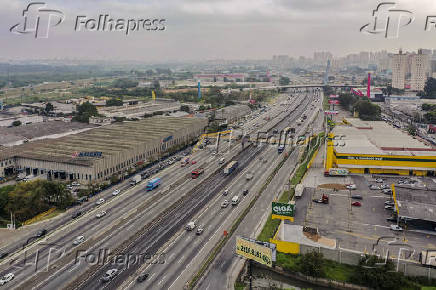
<point x="284" y="81"/>
<point x="413" y="130"/>
<point x="49" y="108"/>
<point x="347" y="100"/>
<point x="311" y="264"/>
<point x="184" y="108"/>
<point x="16" y="123"/>
<point x="114" y="102"/>
<point x="84" y="112"/>
<point x="430" y="89"/>
<point x="367" y="111"/>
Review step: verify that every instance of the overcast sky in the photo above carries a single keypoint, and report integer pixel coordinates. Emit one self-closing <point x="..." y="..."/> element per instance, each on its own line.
<point x="214" y="29"/>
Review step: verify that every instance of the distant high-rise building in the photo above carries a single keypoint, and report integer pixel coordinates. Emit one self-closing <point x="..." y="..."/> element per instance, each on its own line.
<point x="399" y="67"/>
<point x="419" y="70"/>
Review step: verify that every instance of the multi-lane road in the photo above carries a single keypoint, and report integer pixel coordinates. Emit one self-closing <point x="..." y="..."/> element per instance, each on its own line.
<point x="143" y="232"/>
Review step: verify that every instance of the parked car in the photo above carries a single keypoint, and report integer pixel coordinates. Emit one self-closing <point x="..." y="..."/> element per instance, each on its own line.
<point x="245" y="192"/>
<point x="100" y="201"/>
<point x="356" y="196"/>
<point x="356" y="203"/>
<point x="116" y="192"/>
<point x="101" y="214"/>
<point x="75" y="183"/>
<point x="389" y="207"/>
<point x="225" y="203"/>
<point x="351" y="186"/>
<point x="226" y="192"/>
<point x="142" y="277"/>
<point x="379" y="180"/>
<point x="388" y="202"/>
<point x="109" y="275"/>
<point x="6" y="278"/>
<point x="374" y="187"/>
<point x="384" y="186"/>
<point x="387" y="191"/>
<point x="78" y="240"/>
<point x="83" y="199"/>
<point x="396" y="228"/>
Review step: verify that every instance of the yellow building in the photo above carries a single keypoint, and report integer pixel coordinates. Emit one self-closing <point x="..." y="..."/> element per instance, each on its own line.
<point x="378" y="148"/>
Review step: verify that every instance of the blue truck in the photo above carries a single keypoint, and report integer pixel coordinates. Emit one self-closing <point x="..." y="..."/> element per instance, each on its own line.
<point x="152" y="184"/>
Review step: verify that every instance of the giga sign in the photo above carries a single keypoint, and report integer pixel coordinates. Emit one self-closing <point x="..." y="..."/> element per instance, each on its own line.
<point x="283" y="211"/>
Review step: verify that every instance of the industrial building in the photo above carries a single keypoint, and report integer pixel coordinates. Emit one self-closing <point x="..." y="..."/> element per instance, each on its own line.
<point x="97" y="154"/>
<point x="377" y="148"/>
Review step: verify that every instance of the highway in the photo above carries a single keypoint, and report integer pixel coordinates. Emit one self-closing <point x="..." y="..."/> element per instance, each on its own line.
<point x="140" y="222"/>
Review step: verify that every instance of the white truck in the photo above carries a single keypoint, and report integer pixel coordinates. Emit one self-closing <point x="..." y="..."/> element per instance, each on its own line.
<point x="135" y="180"/>
<point x="299" y="190"/>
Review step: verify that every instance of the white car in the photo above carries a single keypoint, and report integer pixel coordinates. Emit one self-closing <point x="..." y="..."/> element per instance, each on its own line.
<point x="79" y="240"/>
<point x="379" y="180"/>
<point x="6" y="278"/>
<point x="225" y="203"/>
<point x="351" y="186"/>
<point x="396" y="228"/>
<point x="116" y="192"/>
<point x="374" y="187"/>
<point x="101" y="214"/>
<point x="75" y="183"/>
<point x="100" y="201"/>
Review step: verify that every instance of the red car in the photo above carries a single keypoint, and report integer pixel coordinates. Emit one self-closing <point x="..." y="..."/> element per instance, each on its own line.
<point x="356" y="203"/>
<point x="193" y="162"/>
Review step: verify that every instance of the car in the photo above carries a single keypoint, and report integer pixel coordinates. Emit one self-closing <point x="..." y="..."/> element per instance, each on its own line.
<point x="214" y="153"/>
<point x="3" y="255"/>
<point x="389" y="207"/>
<point x="116" y="192"/>
<point x="75" y="183"/>
<point x="76" y="214"/>
<point x="351" y="186"/>
<point x="245" y="192"/>
<point x="374" y="187"/>
<point x="379" y="180"/>
<point x="199" y="230"/>
<point x="387" y="191"/>
<point x="356" y="196"/>
<point x="356" y="203"/>
<point x="100" y="201"/>
<point x="388" y="202"/>
<point x="193" y="162"/>
<point x="70" y="187"/>
<point x="391" y="219"/>
<point x="226" y="192"/>
<point x="101" y="214"/>
<point x="6" y="278"/>
<point x="225" y="203"/>
<point x="384" y="186"/>
<point x="396" y="228"/>
<point x="109" y="275"/>
<point x="41" y="233"/>
<point x="82" y="199"/>
<point x="78" y="240"/>
<point x="142" y="277"/>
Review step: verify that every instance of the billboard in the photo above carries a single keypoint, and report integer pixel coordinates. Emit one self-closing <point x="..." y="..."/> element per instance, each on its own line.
<point x="334" y="102"/>
<point x="338" y="172"/>
<point x="283" y="211"/>
<point x="255" y="251"/>
<point x="87" y="154"/>
<point x="331" y="112"/>
<point x="334" y="96"/>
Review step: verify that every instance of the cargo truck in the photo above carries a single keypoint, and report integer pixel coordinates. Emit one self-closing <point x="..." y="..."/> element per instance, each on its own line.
<point x="135" y="180"/>
<point x="152" y="184"/>
<point x="230" y="167"/>
<point x="197" y="172"/>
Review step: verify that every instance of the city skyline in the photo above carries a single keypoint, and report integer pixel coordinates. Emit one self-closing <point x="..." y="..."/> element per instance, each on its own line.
<point x="200" y="31"/>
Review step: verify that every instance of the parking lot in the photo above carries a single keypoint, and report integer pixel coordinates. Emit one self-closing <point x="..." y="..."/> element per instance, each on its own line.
<point x="360" y="227"/>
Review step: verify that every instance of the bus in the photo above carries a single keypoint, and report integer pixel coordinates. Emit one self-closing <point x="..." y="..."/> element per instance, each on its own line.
<point x="230" y="167"/>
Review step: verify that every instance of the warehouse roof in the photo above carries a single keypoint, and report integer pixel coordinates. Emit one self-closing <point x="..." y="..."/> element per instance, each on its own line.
<point x="376" y="137"/>
<point x="109" y="140"/>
